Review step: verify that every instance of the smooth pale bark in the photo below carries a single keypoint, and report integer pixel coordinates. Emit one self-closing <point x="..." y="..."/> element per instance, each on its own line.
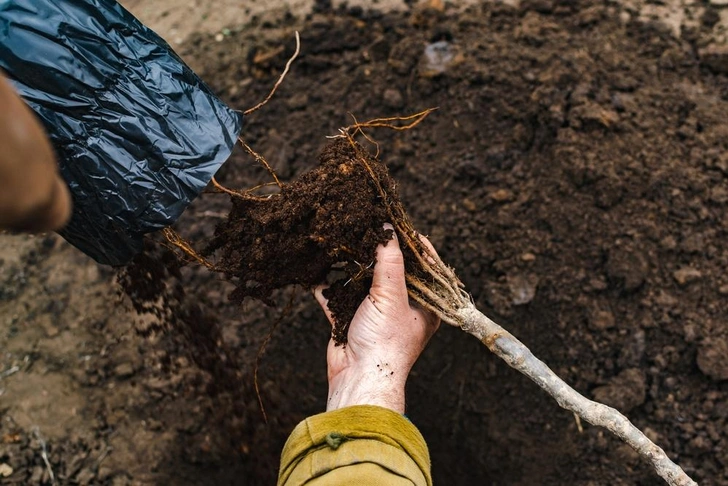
<point x="504" y="345"/>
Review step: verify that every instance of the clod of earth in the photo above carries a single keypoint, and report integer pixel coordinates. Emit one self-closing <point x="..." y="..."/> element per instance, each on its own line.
<point x="329" y="222"/>
<point x="331" y="218"/>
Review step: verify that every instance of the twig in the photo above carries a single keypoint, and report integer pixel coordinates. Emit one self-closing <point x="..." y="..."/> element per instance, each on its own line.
<point x="103" y="456"/>
<point x="390" y="122"/>
<point x="44" y="454"/>
<point x="286" y="311"/>
<point x="280" y="79"/>
<point x="358" y="129"/>
<point x="224" y="189"/>
<point x="261" y="159"/>
<point x="246" y="194"/>
<point x="9" y="372"/>
<point x="176" y="241"/>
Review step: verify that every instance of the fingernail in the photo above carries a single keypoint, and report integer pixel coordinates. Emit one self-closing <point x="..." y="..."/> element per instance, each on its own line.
<point x="388" y="226"/>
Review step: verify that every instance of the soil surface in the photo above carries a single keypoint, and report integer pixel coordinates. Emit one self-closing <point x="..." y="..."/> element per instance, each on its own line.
<point x="575" y="176"/>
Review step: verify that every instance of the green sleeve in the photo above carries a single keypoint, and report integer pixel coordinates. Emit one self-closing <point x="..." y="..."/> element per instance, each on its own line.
<point x="355" y="445"/>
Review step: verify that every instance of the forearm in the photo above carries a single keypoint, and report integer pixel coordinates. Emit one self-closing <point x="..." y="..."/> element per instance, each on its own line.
<point x="32" y="194"/>
<point x="378" y="386"/>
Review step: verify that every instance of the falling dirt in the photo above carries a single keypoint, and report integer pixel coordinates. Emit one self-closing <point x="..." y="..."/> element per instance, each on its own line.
<point x="575" y="176"/>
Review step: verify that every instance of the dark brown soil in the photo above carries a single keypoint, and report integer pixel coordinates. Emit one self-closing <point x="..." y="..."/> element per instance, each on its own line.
<point x="328" y="221"/>
<point x="575" y="176"/>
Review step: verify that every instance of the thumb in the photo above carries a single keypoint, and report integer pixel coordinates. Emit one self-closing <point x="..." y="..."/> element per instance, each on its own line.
<point x="318" y="293"/>
<point x="388" y="281"/>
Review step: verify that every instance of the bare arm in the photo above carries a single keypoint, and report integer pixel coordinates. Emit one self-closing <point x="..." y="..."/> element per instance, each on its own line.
<point x="33" y="196"/>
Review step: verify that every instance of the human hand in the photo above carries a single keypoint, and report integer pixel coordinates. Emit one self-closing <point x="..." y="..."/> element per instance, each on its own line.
<point x="33" y="196"/>
<point x="386" y="336"/>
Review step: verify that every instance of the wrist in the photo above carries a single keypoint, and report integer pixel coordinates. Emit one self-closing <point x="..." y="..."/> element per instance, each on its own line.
<point x="381" y="387"/>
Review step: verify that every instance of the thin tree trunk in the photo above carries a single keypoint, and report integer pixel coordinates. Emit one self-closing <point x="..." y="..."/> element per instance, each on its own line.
<point x="504" y="345"/>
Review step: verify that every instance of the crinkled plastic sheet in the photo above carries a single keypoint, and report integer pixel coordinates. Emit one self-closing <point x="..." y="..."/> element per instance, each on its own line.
<point x="138" y="135"/>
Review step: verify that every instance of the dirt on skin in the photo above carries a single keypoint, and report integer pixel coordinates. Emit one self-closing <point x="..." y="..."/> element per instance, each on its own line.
<point x="575" y="176"/>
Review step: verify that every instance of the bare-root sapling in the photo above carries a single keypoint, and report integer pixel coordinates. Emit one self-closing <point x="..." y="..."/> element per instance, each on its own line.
<point x="327" y="225"/>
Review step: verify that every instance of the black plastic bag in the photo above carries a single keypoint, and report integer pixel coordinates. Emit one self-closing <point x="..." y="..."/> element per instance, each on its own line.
<point x="138" y="135"/>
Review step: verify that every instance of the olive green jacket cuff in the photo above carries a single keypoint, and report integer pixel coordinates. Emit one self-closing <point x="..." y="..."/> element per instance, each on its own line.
<point x="363" y="445"/>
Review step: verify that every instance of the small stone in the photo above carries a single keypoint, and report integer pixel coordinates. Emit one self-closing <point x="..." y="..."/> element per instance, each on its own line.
<point x="393" y="98"/>
<point x="219" y="37"/>
<point x="719" y="3"/>
<point x="5" y="470"/>
<point x="600" y="320"/>
<point x="523" y="288"/>
<point x="528" y="257"/>
<point x="723" y="290"/>
<point x="439" y="57"/>
<point x="124" y="370"/>
<point x="686" y="275"/>
<point x="713" y="358"/>
<point x="502" y="195"/>
<point x="592" y="114"/>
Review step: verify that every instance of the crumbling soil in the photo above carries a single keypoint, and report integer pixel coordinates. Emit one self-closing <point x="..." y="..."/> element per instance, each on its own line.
<point x="575" y="178"/>
<point x="329" y="221"/>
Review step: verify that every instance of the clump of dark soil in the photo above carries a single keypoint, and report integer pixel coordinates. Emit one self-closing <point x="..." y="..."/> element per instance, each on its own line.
<point x="332" y="217"/>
